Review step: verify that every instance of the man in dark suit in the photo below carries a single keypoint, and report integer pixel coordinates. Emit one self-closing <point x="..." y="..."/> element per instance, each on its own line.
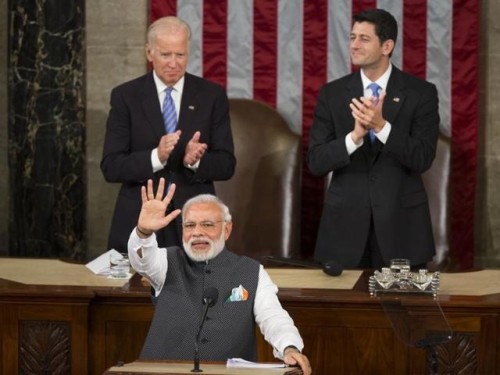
<point x="376" y="140"/>
<point x="196" y="150"/>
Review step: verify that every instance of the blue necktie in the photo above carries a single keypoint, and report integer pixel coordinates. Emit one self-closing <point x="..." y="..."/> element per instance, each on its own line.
<point x="169" y="115"/>
<point x="375" y="90"/>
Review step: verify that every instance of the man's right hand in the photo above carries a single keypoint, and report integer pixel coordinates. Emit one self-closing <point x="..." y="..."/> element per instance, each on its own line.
<point x="167" y="145"/>
<point x="152" y="216"/>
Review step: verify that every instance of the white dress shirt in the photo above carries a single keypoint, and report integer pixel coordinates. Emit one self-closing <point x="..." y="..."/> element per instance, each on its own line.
<point x="176" y="97"/>
<point x="383" y="134"/>
<point x="274" y="322"/>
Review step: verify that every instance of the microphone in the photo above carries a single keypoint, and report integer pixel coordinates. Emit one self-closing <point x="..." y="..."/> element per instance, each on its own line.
<point x="210" y="296"/>
<point x="330" y="267"/>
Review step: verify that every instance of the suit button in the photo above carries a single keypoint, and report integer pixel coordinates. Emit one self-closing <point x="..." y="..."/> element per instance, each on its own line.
<point x="204" y="340"/>
<point x="373" y="178"/>
<point x="208" y="271"/>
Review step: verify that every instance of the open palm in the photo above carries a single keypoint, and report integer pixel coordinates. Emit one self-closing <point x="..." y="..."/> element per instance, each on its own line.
<point x="154" y="206"/>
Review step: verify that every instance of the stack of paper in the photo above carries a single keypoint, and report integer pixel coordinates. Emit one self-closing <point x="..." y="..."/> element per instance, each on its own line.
<point x="242" y="363"/>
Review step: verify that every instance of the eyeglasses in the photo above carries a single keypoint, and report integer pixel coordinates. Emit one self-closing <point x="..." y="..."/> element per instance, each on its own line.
<point x="204" y="225"/>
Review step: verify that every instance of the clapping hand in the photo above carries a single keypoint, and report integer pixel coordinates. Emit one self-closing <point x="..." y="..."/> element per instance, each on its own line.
<point x="167" y="144"/>
<point x="367" y="112"/>
<point x="194" y="149"/>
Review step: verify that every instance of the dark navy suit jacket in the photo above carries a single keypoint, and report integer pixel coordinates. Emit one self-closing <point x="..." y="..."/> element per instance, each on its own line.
<point x="133" y="130"/>
<point x="378" y="180"/>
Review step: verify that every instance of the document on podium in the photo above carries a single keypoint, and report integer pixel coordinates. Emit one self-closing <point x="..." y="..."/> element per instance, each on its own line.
<point x="242" y="363"/>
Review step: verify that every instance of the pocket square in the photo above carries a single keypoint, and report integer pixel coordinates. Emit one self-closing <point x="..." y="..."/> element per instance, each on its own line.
<point x="238" y="294"/>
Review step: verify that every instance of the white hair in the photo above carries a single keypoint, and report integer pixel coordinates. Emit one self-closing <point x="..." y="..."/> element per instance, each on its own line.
<point x="208" y="198"/>
<point x="167" y="24"/>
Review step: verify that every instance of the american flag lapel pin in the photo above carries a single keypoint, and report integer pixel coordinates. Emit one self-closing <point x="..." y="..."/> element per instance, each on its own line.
<point x="396" y="99"/>
<point x="191" y="107"/>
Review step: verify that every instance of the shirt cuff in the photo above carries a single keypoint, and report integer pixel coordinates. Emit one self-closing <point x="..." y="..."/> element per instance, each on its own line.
<point x="150" y="264"/>
<point x="193" y="167"/>
<point x="135" y="243"/>
<point x="383" y="134"/>
<point x="291" y="347"/>
<point x="155" y="161"/>
<point x="350" y="145"/>
<point x="280" y="354"/>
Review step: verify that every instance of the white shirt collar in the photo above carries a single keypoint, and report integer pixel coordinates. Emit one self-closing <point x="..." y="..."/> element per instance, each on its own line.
<point x="382" y="81"/>
<point x="160" y="86"/>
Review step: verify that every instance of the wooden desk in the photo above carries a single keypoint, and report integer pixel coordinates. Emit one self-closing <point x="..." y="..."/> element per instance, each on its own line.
<point x="88" y="329"/>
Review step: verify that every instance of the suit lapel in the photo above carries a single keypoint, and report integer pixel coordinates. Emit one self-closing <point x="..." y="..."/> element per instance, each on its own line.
<point x="151" y="105"/>
<point x="354" y="89"/>
<point x="188" y="102"/>
<point x="395" y="95"/>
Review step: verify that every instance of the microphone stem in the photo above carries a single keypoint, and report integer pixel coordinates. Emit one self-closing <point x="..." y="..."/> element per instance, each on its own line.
<point x="197" y="341"/>
<point x="196" y="360"/>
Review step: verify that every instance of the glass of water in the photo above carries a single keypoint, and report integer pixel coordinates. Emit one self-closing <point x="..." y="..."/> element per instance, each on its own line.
<point x="119" y="265"/>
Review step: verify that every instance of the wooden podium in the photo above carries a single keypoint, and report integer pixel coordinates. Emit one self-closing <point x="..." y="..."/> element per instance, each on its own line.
<point x="180" y="368"/>
<point x="90" y="327"/>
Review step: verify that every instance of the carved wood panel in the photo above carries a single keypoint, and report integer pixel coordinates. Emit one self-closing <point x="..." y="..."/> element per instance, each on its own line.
<point x="458" y="356"/>
<point x="45" y="337"/>
<point x="44" y="347"/>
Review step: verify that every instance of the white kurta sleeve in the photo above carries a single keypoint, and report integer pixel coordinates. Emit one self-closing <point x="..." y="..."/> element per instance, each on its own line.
<point x="274" y="322"/>
<point x="153" y="264"/>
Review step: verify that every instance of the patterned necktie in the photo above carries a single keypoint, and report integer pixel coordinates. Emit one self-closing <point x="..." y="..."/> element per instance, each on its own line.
<point x="375" y="90"/>
<point x="169" y="115"/>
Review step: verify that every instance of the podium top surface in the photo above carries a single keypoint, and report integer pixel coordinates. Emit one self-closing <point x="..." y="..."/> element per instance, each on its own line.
<point x="174" y="368"/>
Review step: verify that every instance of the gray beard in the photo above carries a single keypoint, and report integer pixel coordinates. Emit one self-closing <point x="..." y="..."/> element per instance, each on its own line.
<point x="202" y="256"/>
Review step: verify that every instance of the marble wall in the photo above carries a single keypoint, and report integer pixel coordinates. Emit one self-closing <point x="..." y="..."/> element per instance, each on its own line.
<point x="4" y="170"/>
<point x="115" y="32"/>
<point x="46" y="128"/>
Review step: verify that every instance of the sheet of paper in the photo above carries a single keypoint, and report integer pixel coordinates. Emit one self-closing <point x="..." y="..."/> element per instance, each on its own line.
<point x="242" y="363"/>
<point x="100" y="265"/>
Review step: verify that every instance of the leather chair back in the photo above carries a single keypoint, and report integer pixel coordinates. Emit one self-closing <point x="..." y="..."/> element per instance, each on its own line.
<point x="263" y="196"/>
<point x="437" y="184"/>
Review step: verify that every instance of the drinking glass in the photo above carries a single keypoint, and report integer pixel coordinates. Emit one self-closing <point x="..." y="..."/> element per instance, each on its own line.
<point x="119" y="265"/>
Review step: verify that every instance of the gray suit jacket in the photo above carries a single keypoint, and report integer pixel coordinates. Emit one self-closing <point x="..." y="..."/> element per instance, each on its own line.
<point x="377" y="180"/>
<point x="133" y="130"/>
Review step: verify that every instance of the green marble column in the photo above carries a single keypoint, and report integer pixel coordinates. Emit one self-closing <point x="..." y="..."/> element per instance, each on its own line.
<point x="46" y="129"/>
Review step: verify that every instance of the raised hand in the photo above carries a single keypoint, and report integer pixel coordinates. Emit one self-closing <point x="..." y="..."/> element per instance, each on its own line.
<point x="154" y="206"/>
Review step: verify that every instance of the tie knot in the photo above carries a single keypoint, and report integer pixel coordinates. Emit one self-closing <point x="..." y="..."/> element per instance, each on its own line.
<point x="374" y="87"/>
<point x="168" y="90"/>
